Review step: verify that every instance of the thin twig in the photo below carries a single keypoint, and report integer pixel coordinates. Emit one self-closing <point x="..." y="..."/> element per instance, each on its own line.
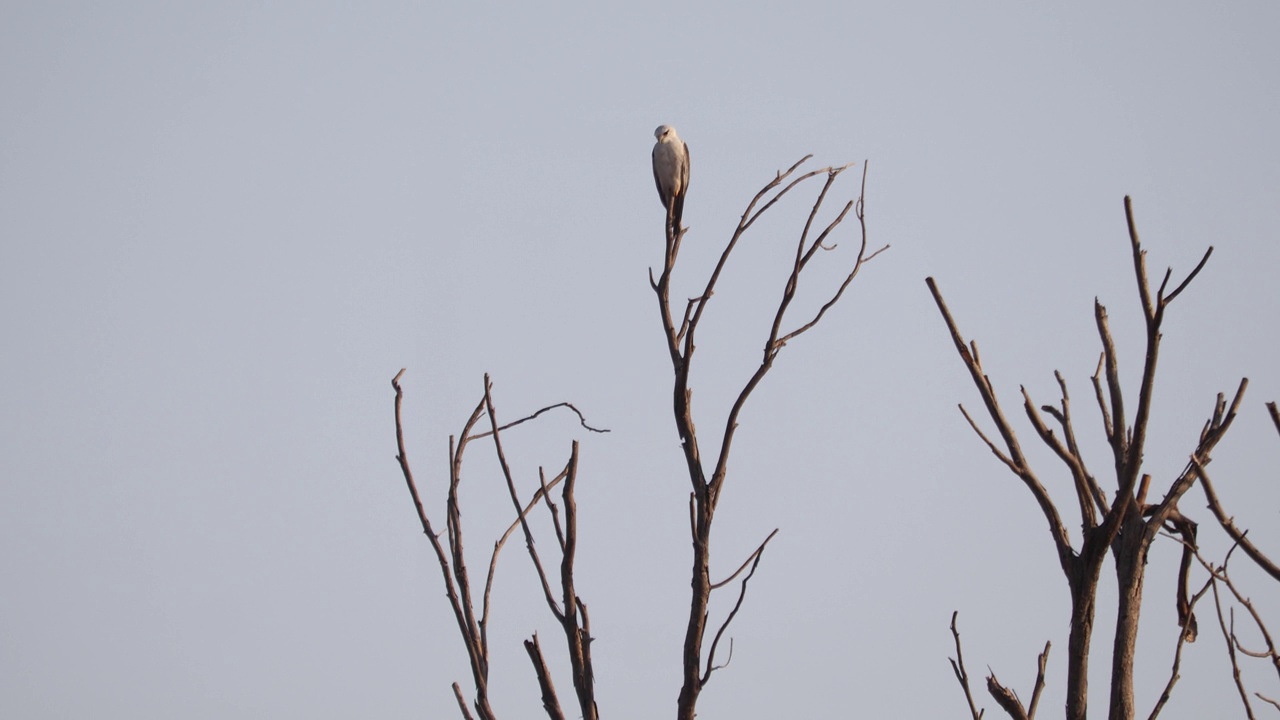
<point x="962" y="675"/>
<point x="743" y="566"/>
<point x="1220" y="575"/>
<point x="742" y="594"/>
<point x="581" y="419"/>
<point x="1041" y="662"/>
<point x="992" y="446"/>
<point x="1231" y="653"/>
<point x="1174" y="675"/>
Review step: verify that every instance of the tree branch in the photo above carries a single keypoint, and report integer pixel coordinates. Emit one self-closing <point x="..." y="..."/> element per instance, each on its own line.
<point x="1174" y="675"/>
<point x="962" y="675"/>
<point x="459" y="594"/>
<point x="550" y="702"/>
<point x="742" y="594"/>
<point x="1228" y="525"/>
<point x="1016" y="460"/>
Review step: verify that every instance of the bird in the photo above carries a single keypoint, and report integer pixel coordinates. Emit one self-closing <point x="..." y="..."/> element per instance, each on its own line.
<point x="671" y="172"/>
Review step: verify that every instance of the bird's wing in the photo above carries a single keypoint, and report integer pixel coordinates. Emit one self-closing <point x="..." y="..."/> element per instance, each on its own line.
<point x="657" y="181"/>
<point x="684" y="170"/>
<point x="681" y="171"/>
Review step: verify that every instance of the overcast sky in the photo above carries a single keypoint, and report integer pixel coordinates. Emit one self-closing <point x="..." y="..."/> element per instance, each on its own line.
<point x="224" y="228"/>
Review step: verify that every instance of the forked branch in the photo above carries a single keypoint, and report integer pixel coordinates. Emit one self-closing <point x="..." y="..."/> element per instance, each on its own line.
<point x="1012" y="455"/>
<point x="754" y="560"/>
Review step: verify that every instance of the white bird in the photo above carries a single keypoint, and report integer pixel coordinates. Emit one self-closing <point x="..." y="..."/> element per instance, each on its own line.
<point x="671" y="172"/>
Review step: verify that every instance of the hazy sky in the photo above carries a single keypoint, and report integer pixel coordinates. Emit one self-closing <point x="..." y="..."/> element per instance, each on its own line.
<point x="223" y="229"/>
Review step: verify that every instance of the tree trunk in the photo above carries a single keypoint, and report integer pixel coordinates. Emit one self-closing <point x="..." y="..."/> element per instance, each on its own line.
<point x="1131" y="560"/>
<point x="701" y="585"/>
<point x="1084" y="593"/>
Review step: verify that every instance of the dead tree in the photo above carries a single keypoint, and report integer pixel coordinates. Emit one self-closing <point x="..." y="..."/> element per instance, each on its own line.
<point x="680" y="327"/>
<point x="569" y="610"/>
<point x="561" y="596"/>
<point x="1126" y="523"/>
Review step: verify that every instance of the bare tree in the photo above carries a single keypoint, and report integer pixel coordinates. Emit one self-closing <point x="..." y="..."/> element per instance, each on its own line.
<point x="560" y="595"/>
<point x="1125" y="524"/>
<point x="680" y="328"/>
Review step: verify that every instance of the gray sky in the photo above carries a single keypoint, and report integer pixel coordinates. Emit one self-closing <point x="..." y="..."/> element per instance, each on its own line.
<point x="224" y="229"/>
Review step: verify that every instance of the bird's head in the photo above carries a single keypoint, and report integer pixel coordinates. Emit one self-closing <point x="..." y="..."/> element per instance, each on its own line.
<point x="663" y="132"/>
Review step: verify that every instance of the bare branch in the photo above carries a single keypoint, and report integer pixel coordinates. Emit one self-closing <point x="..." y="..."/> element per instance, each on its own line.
<point x="576" y="623"/>
<point x="862" y="259"/>
<point x="992" y="446"/>
<point x="1068" y="431"/>
<point x="527" y="418"/>
<point x="495" y="433"/>
<point x="748" y="218"/>
<point x="549" y="701"/>
<point x="1213" y="432"/>
<point x="742" y="594"/>
<point x="1139" y="261"/>
<point x="1084" y="493"/>
<point x="1228" y="524"/>
<point x="518" y="522"/>
<point x="1165" y="300"/>
<point x="552" y="510"/>
<point x="1220" y="574"/>
<point x="1016" y="461"/>
<point x="1118" y="436"/>
<point x="1174" y="675"/>
<point x="462" y="703"/>
<point x="1107" y="425"/>
<point x="980" y="380"/>
<point x="962" y="675"/>
<point x="1041" y="663"/>
<point x="1229" y="636"/>
<point x="459" y="594"/>
<point x="753" y="556"/>
<point x="1006" y="698"/>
